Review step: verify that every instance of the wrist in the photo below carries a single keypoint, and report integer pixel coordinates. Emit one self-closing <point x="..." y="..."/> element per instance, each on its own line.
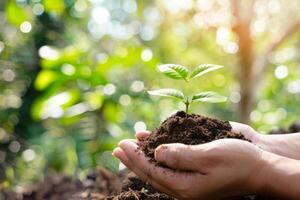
<point x="266" y="143"/>
<point x="283" y="145"/>
<point x="279" y="176"/>
<point x="259" y="180"/>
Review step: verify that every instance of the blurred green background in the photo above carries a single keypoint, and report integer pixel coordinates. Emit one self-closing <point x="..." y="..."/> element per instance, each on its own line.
<point x="73" y="74"/>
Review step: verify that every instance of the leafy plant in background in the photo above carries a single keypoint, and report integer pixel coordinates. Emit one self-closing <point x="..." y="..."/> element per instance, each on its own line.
<point x="180" y="72"/>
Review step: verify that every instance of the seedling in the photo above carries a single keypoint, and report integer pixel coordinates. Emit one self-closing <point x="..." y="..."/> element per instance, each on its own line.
<point x="180" y="72"/>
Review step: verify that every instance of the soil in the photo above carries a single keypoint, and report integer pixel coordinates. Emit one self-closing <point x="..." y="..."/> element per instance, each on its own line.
<point x="96" y="186"/>
<point x="189" y="129"/>
<point x="135" y="189"/>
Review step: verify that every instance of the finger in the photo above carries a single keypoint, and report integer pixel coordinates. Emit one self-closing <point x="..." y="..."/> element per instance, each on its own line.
<point x="180" y="156"/>
<point x="131" y="140"/>
<point x="120" y="154"/>
<point x="244" y="129"/>
<point x="166" y="177"/>
<point x="140" y="135"/>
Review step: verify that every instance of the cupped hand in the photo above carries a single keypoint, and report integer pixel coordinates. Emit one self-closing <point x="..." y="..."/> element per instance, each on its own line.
<point x="216" y="170"/>
<point x="262" y="141"/>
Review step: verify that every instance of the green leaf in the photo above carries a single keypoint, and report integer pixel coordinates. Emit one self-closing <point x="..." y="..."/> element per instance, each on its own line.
<point x="54" y="6"/>
<point x="16" y="14"/>
<point x="174" y="71"/>
<point x="167" y="93"/>
<point x="44" y="79"/>
<point x="203" y="69"/>
<point x="209" y="96"/>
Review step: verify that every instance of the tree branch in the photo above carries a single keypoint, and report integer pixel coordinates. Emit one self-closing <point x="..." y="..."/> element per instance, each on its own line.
<point x="242" y="29"/>
<point x="243" y="14"/>
<point x="262" y="62"/>
<point x="290" y="31"/>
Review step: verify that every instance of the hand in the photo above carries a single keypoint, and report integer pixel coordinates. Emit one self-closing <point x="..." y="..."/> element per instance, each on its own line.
<point x="216" y="170"/>
<point x="252" y="135"/>
<point x="287" y="145"/>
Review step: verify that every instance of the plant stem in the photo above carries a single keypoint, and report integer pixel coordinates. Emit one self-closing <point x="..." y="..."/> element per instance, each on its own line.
<point x="187" y="103"/>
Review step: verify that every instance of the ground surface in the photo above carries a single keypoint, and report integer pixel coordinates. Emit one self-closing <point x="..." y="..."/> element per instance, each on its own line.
<point x="96" y="186"/>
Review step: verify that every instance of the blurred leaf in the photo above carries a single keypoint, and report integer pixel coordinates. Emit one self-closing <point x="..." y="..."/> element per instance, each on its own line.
<point x="174" y="71"/>
<point x="209" y="96"/>
<point x="62" y="100"/>
<point x="9" y="172"/>
<point x="111" y="112"/>
<point x="203" y="69"/>
<point x="36" y="109"/>
<point x="55" y="6"/>
<point x="94" y="99"/>
<point x="16" y="14"/>
<point x="167" y="93"/>
<point x="74" y="95"/>
<point x="69" y="55"/>
<point x="44" y="79"/>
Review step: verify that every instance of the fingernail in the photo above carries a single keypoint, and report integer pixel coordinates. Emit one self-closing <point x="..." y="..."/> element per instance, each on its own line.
<point x="160" y="153"/>
<point x="116" y="152"/>
<point x="123" y="143"/>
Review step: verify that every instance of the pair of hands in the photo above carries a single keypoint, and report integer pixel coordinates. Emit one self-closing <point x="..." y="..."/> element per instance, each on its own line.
<point x="217" y="170"/>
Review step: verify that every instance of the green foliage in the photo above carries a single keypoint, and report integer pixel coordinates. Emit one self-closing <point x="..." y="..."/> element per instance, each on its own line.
<point x="16" y="14"/>
<point x="168" y="93"/>
<point x="203" y="69"/>
<point x="209" y="96"/>
<point x="174" y="71"/>
<point x="54" y="6"/>
<point x="180" y="72"/>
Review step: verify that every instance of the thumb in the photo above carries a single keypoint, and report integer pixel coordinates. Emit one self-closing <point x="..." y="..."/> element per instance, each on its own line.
<point x="178" y="156"/>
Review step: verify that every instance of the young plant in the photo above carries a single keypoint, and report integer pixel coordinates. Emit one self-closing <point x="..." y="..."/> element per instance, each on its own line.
<point x="180" y="72"/>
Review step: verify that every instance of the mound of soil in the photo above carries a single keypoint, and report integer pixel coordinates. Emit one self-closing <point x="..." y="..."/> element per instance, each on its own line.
<point x="135" y="189"/>
<point x="189" y="129"/>
<point x="183" y="128"/>
<point x="97" y="186"/>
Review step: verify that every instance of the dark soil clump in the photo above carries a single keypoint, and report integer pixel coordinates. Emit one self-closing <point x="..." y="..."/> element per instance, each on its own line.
<point x="135" y="189"/>
<point x="189" y="129"/>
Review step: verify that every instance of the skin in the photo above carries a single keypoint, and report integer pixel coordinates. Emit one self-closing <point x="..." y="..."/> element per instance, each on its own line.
<point x="217" y="170"/>
<point x="287" y="145"/>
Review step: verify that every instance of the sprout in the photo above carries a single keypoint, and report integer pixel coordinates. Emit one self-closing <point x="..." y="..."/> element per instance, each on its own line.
<point x="180" y="72"/>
